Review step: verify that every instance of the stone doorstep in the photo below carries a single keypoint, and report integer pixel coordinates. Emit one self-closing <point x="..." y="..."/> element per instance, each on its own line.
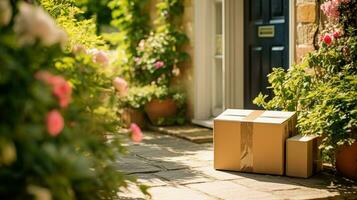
<point x="189" y="132"/>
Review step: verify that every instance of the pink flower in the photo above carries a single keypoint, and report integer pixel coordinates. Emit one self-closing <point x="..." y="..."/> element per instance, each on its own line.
<point x="63" y="91"/>
<point x="60" y="87"/>
<point x="330" y="8"/>
<point x="159" y="64"/>
<point x="78" y="48"/>
<point x="136" y="134"/>
<point x="336" y="34"/>
<point x="100" y="57"/>
<point x="121" y="86"/>
<point x="54" y="122"/>
<point x="327" y="39"/>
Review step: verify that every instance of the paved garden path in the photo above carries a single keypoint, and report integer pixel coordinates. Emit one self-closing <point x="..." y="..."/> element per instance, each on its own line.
<point x="178" y="169"/>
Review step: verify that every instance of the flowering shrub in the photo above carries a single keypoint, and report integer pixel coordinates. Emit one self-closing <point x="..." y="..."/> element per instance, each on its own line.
<point x="152" y="57"/>
<point x="157" y="58"/>
<point x="70" y="18"/>
<point x="55" y="111"/>
<point x="323" y="88"/>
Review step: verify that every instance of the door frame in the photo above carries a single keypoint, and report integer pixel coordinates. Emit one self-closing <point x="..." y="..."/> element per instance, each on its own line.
<point x="233" y="51"/>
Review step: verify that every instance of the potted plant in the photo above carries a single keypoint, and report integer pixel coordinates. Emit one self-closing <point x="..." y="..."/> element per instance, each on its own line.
<point x="132" y="104"/>
<point x="346" y="161"/>
<point x="323" y="88"/>
<point x="162" y="105"/>
<point x="152" y="61"/>
<point x="166" y="107"/>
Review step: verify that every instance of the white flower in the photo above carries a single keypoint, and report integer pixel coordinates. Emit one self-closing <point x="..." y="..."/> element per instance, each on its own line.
<point x="34" y="23"/>
<point x="5" y="12"/>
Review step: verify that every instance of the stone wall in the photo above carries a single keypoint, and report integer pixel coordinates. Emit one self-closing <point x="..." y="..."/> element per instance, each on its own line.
<point x="306" y="27"/>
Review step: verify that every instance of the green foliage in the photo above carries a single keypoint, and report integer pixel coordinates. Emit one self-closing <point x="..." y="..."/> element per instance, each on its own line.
<point x="131" y="20"/>
<point x="152" y="57"/>
<point x="162" y="45"/>
<point x="97" y="9"/>
<point x="323" y="88"/>
<point x="158" y="47"/>
<point x="78" y="163"/>
<point x="67" y="15"/>
<point x="137" y="97"/>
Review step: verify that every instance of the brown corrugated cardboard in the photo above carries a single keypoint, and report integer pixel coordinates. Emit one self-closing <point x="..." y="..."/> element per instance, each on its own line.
<point x="252" y="140"/>
<point x="302" y="156"/>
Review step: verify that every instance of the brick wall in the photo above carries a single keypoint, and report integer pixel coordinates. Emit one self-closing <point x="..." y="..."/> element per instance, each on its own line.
<point x="306" y="27"/>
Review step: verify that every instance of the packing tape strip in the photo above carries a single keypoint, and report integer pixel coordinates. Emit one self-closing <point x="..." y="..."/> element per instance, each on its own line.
<point x="246" y="159"/>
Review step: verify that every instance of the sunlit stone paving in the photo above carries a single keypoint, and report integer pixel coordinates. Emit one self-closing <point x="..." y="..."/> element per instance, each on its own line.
<point x="175" y="168"/>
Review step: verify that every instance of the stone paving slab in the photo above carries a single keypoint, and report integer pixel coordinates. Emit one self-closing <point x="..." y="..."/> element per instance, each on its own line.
<point x="130" y="165"/>
<point x="151" y="180"/>
<point x="178" y="169"/>
<point x="183" y="176"/>
<point x="229" y="190"/>
<point x="266" y="183"/>
<point x="218" y="175"/>
<point x="306" y="193"/>
<point x="177" y="193"/>
<point x="189" y="132"/>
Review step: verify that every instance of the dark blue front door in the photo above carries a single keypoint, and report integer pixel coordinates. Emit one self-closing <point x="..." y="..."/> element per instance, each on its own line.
<point x="266" y="44"/>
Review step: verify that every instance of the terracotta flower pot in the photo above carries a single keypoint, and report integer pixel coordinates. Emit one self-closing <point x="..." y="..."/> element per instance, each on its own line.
<point x="130" y="115"/>
<point x="346" y="161"/>
<point x="157" y="109"/>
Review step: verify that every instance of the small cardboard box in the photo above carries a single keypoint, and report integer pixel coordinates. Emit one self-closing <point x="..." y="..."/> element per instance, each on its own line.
<point x="252" y="140"/>
<point x="303" y="156"/>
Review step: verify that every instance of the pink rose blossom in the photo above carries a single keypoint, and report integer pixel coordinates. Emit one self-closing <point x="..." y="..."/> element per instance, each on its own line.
<point x="327" y="39"/>
<point x="60" y="87"/>
<point x="121" y="86"/>
<point x="78" y="48"/>
<point x="336" y="34"/>
<point x="100" y="57"/>
<point x="63" y="92"/>
<point x="330" y="8"/>
<point x="136" y="134"/>
<point x="159" y="64"/>
<point x="54" y="122"/>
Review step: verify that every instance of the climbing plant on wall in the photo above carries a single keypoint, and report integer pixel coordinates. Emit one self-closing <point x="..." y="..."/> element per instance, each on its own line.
<point x="131" y="20"/>
<point x="153" y="54"/>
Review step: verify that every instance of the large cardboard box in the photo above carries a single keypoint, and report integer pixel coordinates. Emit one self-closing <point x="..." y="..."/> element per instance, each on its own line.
<point x="302" y="156"/>
<point x="252" y="140"/>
